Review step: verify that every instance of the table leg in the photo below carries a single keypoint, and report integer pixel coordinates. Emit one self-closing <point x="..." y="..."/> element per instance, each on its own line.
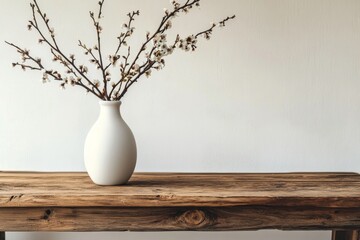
<point x="345" y="235"/>
<point x="2" y="235"/>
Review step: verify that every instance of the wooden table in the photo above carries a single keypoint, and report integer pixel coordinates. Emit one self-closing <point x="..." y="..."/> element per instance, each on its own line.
<point x="182" y="202"/>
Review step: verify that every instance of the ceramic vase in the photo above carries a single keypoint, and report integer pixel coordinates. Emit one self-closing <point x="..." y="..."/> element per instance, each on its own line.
<point x="110" y="147"/>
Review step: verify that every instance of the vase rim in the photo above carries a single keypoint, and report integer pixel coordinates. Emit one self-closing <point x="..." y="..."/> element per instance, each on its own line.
<point x="108" y="103"/>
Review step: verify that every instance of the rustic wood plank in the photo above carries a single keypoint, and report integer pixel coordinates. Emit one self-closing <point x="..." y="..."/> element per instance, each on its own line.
<point x="182" y="201"/>
<point x="19" y="189"/>
<point x="178" y="219"/>
<point x="345" y="235"/>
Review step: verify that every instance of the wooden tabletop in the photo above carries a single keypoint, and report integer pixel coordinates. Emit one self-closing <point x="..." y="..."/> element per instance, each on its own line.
<point x="30" y="189"/>
<point x="32" y="201"/>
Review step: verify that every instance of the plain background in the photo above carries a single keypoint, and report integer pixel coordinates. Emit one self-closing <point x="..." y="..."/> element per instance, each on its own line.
<point x="277" y="90"/>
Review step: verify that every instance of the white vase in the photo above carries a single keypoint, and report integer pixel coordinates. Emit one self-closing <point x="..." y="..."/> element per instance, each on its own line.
<point x="110" y="147"/>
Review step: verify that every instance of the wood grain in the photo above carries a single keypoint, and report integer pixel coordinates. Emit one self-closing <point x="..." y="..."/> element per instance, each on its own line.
<point x="179" y="202"/>
<point x="345" y="235"/>
<point x="334" y="190"/>
<point x="177" y="219"/>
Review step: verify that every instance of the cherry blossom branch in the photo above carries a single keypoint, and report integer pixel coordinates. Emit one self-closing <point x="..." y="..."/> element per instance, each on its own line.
<point x="122" y="38"/>
<point x="54" y="47"/>
<point x="168" y="15"/>
<point x="88" y="51"/>
<point x="98" y="33"/>
<point x="209" y="31"/>
<point x="135" y="80"/>
<point x="130" y="68"/>
<point x="46" y="72"/>
<point x="123" y="75"/>
<point x="160" y="38"/>
<point x="163" y="21"/>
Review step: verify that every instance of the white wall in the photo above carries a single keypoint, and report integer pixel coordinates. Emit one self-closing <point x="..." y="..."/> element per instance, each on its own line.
<point x="277" y="90"/>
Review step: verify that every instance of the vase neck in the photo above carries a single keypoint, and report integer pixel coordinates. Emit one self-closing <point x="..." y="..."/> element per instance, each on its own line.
<point x="109" y="109"/>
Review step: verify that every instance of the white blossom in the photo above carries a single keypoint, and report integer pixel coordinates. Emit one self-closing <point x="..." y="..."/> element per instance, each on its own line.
<point x="136" y="67"/>
<point x="70" y="81"/>
<point x="115" y="95"/>
<point x="148" y="73"/>
<point x="168" y="24"/>
<point x="191" y="39"/>
<point x="45" y="78"/>
<point x="175" y="4"/>
<point x="96" y="83"/>
<point x="157" y="37"/>
<point x="170" y="50"/>
<point x="113" y="59"/>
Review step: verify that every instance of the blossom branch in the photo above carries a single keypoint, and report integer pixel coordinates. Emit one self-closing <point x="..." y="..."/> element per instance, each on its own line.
<point x="167" y="16"/>
<point x="89" y="51"/>
<point x="45" y="20"/>
<point x="164" y="25"/>
<point x="130" y="71"/>
<point x="55" y="47"/>
<point x="25" y="55"/>
<point x="122" y="38"/>
<point x="98" y="33"/>
<point x="46" y="72"/>
<point x="207" y="32"/>
<point x="130" y="83"/>
<point x="124" y="76"/>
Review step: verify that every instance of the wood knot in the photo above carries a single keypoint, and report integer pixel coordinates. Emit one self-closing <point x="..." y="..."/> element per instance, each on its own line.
<point x="47" y="214"/>
<point x="193" y="218"/>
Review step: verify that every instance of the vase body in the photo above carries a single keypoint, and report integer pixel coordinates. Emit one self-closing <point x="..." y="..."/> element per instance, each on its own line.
<point x="110" y="147"/>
